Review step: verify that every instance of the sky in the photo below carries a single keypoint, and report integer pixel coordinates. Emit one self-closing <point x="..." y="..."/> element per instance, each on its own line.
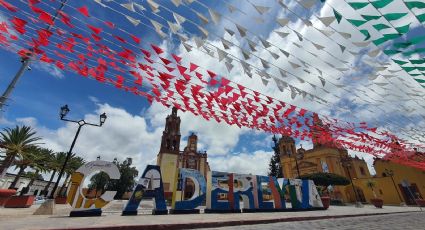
<point x="134" y="127"/>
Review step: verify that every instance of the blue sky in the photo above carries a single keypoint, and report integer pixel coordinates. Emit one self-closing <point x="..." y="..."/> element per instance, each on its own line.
<point x="134" y="127"/>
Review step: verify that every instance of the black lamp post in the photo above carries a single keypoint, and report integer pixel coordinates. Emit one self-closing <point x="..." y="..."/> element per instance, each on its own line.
<point x="390" y="172"/>
<point x="63" y="112"/>
<point x="346" y="162"/>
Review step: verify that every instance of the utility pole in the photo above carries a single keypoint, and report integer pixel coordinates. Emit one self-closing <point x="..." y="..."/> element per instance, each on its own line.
<point x="26" y="61"/>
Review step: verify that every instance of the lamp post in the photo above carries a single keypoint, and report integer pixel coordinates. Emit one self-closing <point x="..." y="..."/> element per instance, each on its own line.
<point x="346" y="162"/>
<point x="299" y="156"/>
<point x="390" y="172"/>
<point x="63" y="112"/>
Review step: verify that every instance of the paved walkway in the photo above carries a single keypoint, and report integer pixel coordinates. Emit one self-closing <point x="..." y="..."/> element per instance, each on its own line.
<point x="23" y="218"/>
<point x="400" y="221"/>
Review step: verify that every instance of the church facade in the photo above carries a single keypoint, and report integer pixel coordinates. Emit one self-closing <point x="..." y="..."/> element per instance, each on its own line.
<point x="170" y="157"/>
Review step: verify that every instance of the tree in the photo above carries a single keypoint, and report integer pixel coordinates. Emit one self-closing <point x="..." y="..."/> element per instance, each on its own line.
<point x="29" y="157"/>
<point x="73" y="164"/>
<point x="54" y="164"/>
<point x="15" y="142"/>
<point x="39" y="165"/>
<point x="326" y="179"/>
<point x="125" y="184"/>
<point x="275" y="167"/>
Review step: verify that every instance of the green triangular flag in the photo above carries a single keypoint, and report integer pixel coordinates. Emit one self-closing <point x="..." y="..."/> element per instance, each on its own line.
<point x="421" y="17"/>
<point x="358" y="5"/>
<point x="400" y="62"/>
<point x="338" y="16"/>
<point x="415" y="4"/>
<point x="417" y="61"/>
<point x="379" y="41"/>
<point x="392" y="36"/>
<point x="408" y="69"/>
<point x="391" y="52"/>
<point x="394" y="16"/>
<point x="381" y="26"/>
<point x="371" y="17"/>
<point x="366" y="34"/>
<point x="402" y="45"/>
<point x="381" y="3"/>
<point x="403" y="29"/>
<point x="356" y="22"/>
<point x="420" y="81"/>
<point x="417" y="39"/>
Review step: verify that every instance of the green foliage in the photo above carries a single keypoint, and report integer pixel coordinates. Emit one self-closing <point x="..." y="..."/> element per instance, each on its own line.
<point x="126" y="183"/>
<point x="370" y="184"/>
<point x="275" y="168"/>
<point x="326" y="179"/>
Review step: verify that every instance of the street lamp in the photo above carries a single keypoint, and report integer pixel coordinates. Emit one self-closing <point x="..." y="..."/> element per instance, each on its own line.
<point x="299" y="156"/>
<point x="346" y="162"/>
<point x="63" y="112"/>
<point x="390" y="172"/>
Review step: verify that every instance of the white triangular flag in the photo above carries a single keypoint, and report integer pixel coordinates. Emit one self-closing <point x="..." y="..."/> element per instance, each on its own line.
<point x="139" y="7"/>
<point x="307" y="3"/>
<point x="342" y="48"/>
<point x="251" y="45"/>
<point x="279" y="84"/>
<point x="261" y="9"/>
<point x="229" y="66"/>
<point x="203" y="18"/>
<point x="226" y="44"/>
<point x="300" y="79"/>
<point x="242" y="30"/>
<point x="282" y="34"/>
<point x="179" y="19"/>
<point x="231" y="8"/>
<point x="300" y="37"/>
<point x="198" y="41"/>
<point x="216" y="17"/>
<point x="361" y="44"/>
<point x="204" y="31"/>
<point x="282" y="73"/>
<point x="187" y="47"/>
<point x="293" y="93"/>
<point x="319" y="47"/>
<point x="265" y="82"/>
<point x="176" y="2"/>
<point x="129" y="6"/>
<point x="157" y="25"/>
<point x="284" y="52"/>
<point x="345" y="35"/>
<point x="322" y="80"/>
<point x="182" y="37"/>
<point x="282" y="21"/>
<point x="264" y="63"/>
<point x="100" y="3"/>
<point x="327" y="32"/>
<point x="327" y="20"/>
<point x="229" y="31"/>
<point x="294" y="65"/>
<point x="245" y="54"/>
<point x="265" y="43"/>
<point x="153" y="5"/>
<point x="174" y="27"/>
<point x="135" y="22"/>
<point x="374" y="53"/>
<point x="221" y="54"/>
<point x="274" y="55"/>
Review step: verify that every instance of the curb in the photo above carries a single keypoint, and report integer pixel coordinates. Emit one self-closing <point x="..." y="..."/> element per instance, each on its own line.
<point x="227" y="223"/>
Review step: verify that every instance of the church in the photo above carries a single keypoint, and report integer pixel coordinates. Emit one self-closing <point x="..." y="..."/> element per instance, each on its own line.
<point x="170" y="157"/>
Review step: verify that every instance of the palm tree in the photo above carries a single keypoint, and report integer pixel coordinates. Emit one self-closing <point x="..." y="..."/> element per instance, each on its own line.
<point x="39" y="165"/>
<point x="73" y="164"/>
<point x="28" y="157"/>
<point x="54" y="164"/>
<point x="15" y="142"/>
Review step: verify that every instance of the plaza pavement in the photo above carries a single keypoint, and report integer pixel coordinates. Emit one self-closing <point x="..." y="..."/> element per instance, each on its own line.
<point x="112" y="219"/>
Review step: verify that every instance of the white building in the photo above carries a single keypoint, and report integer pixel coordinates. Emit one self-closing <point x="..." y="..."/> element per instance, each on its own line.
<point x="36" y="188"/>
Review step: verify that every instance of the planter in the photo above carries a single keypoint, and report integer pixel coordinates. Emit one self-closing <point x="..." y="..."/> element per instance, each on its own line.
<point x="60" y="200"/>
<point x="420" y="202"/>
<point x="5" y="194"/>
<point x="326" y="201"/>
<point x="377" y="202"/>
<point x="19" y="202"/>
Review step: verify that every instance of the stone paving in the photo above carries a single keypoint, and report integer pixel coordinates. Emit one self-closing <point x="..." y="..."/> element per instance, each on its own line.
<point x="23" y="218"/>
<point x="401" y="221"/>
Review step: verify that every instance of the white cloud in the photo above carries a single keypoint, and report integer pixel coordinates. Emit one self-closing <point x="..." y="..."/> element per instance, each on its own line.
<point x="244" y="163"/>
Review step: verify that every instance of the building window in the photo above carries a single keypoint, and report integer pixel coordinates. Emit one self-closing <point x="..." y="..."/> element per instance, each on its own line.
<point x="380" y="192"/>
<point x="362" y="171"/>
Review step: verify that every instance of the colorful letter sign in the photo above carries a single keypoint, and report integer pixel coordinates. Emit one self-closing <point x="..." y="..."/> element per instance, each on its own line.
<point x="83" y="206"/>
<point x="222" y="191"/>
<point x="149" y="186"/>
